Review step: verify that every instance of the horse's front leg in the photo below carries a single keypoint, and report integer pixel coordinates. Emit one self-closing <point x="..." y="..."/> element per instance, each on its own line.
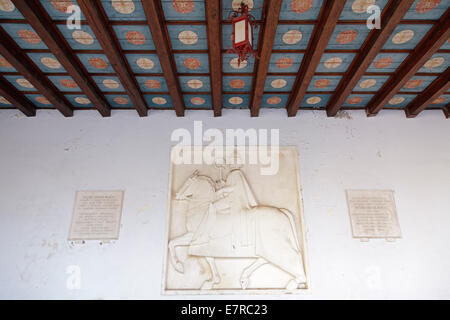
<point x="184" y="240"/>
<point x="215" y="276"/>
<point x="249" y="270"/>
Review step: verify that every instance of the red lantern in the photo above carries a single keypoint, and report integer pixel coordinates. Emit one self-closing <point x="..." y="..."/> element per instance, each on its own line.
<point x="242" y="36"/>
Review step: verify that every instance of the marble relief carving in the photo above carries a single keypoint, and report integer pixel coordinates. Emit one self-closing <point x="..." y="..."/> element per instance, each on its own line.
<point x="233" y="230"/>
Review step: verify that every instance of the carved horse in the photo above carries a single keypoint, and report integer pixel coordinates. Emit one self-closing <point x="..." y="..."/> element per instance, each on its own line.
<point x="271" y="233"/>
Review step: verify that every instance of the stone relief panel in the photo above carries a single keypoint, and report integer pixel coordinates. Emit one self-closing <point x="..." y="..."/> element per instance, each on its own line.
<point x="231" y="229"/>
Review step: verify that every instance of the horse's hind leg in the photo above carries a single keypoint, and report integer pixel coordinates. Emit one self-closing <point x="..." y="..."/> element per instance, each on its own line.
<point x="184" y="240"/>
<point x="249" y="270"/>
<point x="215" y="278"/>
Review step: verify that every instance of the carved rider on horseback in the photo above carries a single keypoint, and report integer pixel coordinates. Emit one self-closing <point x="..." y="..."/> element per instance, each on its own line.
<point x="234" y="198"/>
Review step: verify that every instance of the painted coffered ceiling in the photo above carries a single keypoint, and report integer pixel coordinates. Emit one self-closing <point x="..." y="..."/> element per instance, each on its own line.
<point x="172" y="54"/>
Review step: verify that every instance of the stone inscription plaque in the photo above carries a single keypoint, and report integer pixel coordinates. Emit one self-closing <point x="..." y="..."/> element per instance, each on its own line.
<point x="373" y="214"/>
<point x="96" y="215"/>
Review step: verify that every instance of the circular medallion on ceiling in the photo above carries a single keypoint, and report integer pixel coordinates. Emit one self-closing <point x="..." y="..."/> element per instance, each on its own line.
<point x="50" y="63"/>
<point x="424" y="6"/>
<point x="292" y="37"/>
<point x="24" y="83"/>
<point x="198" y="101"/>
<point x="43" y="100"/>
<point x="121" y="100"/>
<point x="61" y="5"/>
<point x="188" y="37"/>
<point x="434" y="62"/>
<point x="285" y="62"/>
<point x="4" y="101"/>
<point x="333" y="63"/>
<point x="439" y="100"/>
<point x="110" y="83"/>
<point x="360" y="6"/>
<point x="145" y="63"/>
<point x="29" y="36"/>
<point x="322" y="83"/>
<point x="234" y="63"/>
<point x="278" y="83"/>
<point x="368" y="83"/>
<point x="152" y="84"/>
<point x="237" y="83"/>
<point x="183" y="6"/>
<point x="192" y="63"/>
<point x="274" y="100"/>
<point x="313" y="100"/>
<point x="301" y="6"/>
<point x="411" y="84"/>
<point x="235" y="100"/>
<point x="355" y="100"/>
<point x="383" y="63"/>
<point x="195" y="84"/>
<point x="396" y="100"/>
<point x="98" y="63"/>
<point x="4" y="63"/>
<point x="6" y="6"/>
<point x="82" y="37"/>
<point x="82" y="100"/>
<point x="346" y="36"/>
<point x="68" y="83"/>
<point x="123" y="6"/>
<point x="236" y="4"/>
<point x="159" y="100"/>
<point x="403" y="36"/>
<point x="135" y="37"/>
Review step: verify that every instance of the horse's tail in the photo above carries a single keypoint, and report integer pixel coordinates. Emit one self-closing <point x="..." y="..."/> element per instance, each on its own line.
<point x="288" y="214"/>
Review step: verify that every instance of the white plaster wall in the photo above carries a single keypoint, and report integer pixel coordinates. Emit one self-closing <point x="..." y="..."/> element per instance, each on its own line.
<point x="44" y="160"/>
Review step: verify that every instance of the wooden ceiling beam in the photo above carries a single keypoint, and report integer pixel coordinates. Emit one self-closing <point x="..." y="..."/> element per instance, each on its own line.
<point x="39" y="20"/>
<point x="447" y="111"/>
<point x="22" y="63"/>
<point x="18" y="100"/>
<point x="437" y="88"/>
<point x="328" y="18"/>
<point x="429" y="45"/>
<point x="155" y="20"/>
<point x="212" y="8"/>
<point x="99" y="25"/>
<point x="262" y="64"/>
<point x="392" y="14"/>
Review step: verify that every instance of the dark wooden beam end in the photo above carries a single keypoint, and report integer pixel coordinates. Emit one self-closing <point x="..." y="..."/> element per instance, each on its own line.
<point x="97" y="21"/>
<point x="437" y="88"/>
<point x="392" y="14"/>
<point x="328" y="18"/>
<point x="155" y="20"/>
<point x="39" y="20"/>
<point x="10" y="93"/>
<point x="431" y="43"/>
<point x="447" y="111"/>
<point x="24" y="65"/>
<point x="262" y="64"/>
<point x="213" y="13"/>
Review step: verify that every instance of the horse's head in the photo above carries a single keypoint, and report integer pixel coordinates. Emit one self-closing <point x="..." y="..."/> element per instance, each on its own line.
<point x="187" y="190"/>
